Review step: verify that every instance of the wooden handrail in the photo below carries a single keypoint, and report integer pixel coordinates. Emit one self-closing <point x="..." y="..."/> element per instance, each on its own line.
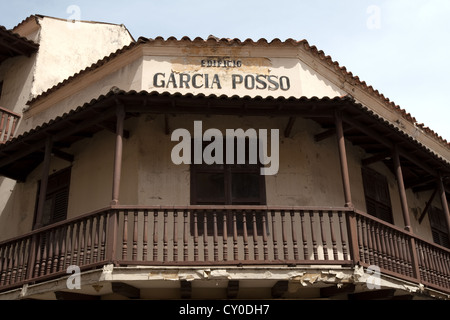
<point x="8" y="123"/>
<point x="223" y="235"/>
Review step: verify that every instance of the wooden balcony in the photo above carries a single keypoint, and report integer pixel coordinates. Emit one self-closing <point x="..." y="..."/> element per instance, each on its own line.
<point x="222" y="235"/>
<point x="8" y="124"/>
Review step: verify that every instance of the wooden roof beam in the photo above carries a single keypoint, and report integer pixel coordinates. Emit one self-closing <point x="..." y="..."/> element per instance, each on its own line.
<point x="390" y="144"/>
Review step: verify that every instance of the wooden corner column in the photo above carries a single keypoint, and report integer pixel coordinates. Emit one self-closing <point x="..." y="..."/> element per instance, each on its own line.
<point x="44" y="182"/>
<point x="444" y="202"/>
<point x="401" y="188"/>
<point x="120" y="114"/>
<point x="343" y="159"/>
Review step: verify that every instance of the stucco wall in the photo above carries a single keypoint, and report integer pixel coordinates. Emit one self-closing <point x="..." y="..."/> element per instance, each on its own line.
<point x="309" y="172"/>
<point x="66" y="48"/>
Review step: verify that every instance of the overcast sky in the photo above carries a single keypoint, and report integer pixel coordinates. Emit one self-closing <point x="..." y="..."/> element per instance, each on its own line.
<point x="400" y="47"/>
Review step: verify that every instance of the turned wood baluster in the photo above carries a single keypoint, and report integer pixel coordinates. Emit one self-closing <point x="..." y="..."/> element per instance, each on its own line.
<point x="125" y="236"/>
<point x="175" y="235"/>
<point x="185" y="236"/>
<point x="429" y="265"/>
<point x="408" y="248"/>
<point x="397" y="253"/>
<point x="63" y="253"/>
<point x="195" y="236"/>
<point x="313" y="236"/>
<point x="255" y="236"/>
<point x="165" y="237"/>
<point x="385" y="256"/>
<point x="37" y="262"/>
<point x="103" y="243"/>
<point x="6" y="259"/>
<point x="2" y="122"/>
<point x="437" y="266"/>
<point x="10" y="262"/>
<point x="264" y="231"/>
<point x="235" y="237"/>
<point x="15" y="258"/>
<point x="205" y="236"/>
<point x="323" y="236"/>
<point x="225" y="237"/>
<point x="367" y="251"/>
<point x="375" y="250"/>
<point x="20" y="259"/>
<point x="444" y="269"/>
<point x="89" y="240"/>
<point x="56" y="250"/>
<point x="390" y="240"/>
<point x="6" y="128"/>
<point x="284" y="236"/>
<point x="304" y="237"/>
<point x="96" y="237"/>
<point x="155" y="235"/>
<point x="68" y="259"/>
<point x="50" y="242"/>
<point x="244" y="225"/>
<point x="135" y="236"/>
<point x="145" y="237"/>
<point x="216" y="237"/>
<point x="401" y="251"/>
<point x="294" y="235"/>
<point x="274" y="236"/>
<point x="342" y="236"/>
<point x="333" y="237"/>
<point x="2" y="261"/>
<point x="420" y="255"/>
<point x="83" y="243"/>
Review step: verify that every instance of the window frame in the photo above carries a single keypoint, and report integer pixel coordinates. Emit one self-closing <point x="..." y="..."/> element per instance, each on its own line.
<point x="375" y="181"/>
<point x="58" y="186"/>
<point x="227" y="170"/>
<point x="438" y="225"/>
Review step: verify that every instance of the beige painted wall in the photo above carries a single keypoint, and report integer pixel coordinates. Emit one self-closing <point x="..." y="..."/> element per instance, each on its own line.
<point x="308" y="175"/>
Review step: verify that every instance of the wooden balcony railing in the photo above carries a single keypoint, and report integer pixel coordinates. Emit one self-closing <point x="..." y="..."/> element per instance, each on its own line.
<point x="8" y="123"/>
<point x="222" y="235"/>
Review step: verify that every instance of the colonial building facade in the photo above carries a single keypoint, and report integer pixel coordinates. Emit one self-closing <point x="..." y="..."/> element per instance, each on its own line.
<point x="209" y="169"/>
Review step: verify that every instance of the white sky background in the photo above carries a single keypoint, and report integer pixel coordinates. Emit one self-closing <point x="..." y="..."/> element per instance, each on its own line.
<point x="400" y="47"/>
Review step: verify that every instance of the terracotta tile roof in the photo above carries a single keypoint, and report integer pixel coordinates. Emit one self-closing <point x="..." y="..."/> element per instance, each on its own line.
<point x="313" y="50"/>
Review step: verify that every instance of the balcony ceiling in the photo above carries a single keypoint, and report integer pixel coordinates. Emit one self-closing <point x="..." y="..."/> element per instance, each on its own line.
<point x="362" y="127"/>
<point x="13" y="45"/>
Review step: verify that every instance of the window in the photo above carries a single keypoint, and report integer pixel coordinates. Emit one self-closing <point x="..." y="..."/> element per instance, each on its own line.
<point x="227" y="184"/>
<point x="57" y="197"/>
<point x="376" y="191"/>
<point x="439" y="227"/>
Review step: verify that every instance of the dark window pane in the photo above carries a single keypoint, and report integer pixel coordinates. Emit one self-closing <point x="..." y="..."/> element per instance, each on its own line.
<point x="376" y="190"/>
<point x="245" y="187"/>
<point x="210" y="186"/>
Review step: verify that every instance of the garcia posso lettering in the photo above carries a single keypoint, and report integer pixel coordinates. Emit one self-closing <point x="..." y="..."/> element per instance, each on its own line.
<point x="213" y="81"/>
<point x="237" y="81"/>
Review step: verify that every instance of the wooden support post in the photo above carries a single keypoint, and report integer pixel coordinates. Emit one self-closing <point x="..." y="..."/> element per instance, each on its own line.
<point x="44" y="182"/>
<point x="444" y="203"/>
<point x="343" y="160"/>
<point x="401" y="188"/>
<point x="120" y="113"/>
